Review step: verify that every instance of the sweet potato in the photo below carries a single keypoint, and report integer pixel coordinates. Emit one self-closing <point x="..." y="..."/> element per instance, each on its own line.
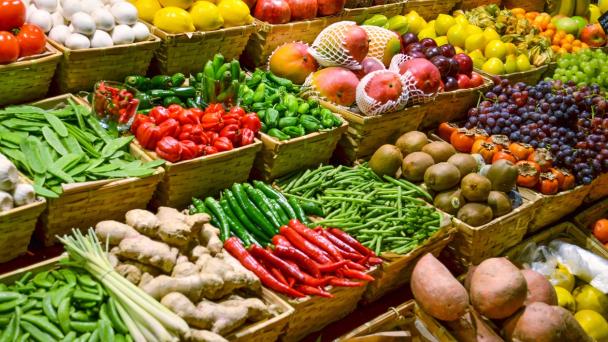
<point x="498" y="289"/>
<point x="539" y="288"/>
<point x="437" y="291"/>
<point x="472" y="328"/>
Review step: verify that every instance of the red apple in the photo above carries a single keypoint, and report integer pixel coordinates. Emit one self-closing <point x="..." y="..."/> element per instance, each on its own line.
<point x="384" y="87"/>
<point x="426" y="75"/>
<point x="369" y="65"/>
<point x="466" y="63"/>
<point x="476" y="80"/>
<point x="593" y="35"/>
<point x="272" y="11"/>
<point x="292" y="61"/>
<point x="330" y="7"/>
<point x="464" y="82"/>
<point x="302" y="9"/>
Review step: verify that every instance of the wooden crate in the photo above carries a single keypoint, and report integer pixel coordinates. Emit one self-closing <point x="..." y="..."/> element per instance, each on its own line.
<point x="528" y="5"/>
<point x="268" y="37"/>
<point x="81" y="69"/>
<point x="403" y="317"/>
<point x="475" y="244"/>
<point x="359" y="15"/>
<point x="188" y="52"/>
<point x="429" y="9"/>
<point x="82" y="205"/>
<point x="366" y="133"/>
<point x="453" y="105"/>
<point x="551" y="208"/>
<point x="278" y="158"/>
<point x="202" y="176"/>
<point x="530" y="77"/>
<point x="397" y="269"/>
<point x="29" y="78"/>
<point x="466" y="5"/>
<point x="599" y="188"/>
<point x="586" y="219"/>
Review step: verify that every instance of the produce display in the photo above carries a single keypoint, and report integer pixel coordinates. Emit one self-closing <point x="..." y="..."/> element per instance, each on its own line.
<point x="13" y="191"/>
<point x="18" y="39"/>
<point x="583" y="68"/>
<point x="284" y="11"/>
<point x="64" y="146"/>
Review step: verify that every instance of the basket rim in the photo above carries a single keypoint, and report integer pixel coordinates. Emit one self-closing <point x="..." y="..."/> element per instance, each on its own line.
<point x="51" y="53"/>
<point x="152" y="40"/>
<point x="164" y="35"/>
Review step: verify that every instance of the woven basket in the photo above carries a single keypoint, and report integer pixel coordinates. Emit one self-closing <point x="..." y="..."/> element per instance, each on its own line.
<point x="17" y="226"/>
<point x="528" y="5"/>
<point x="366" y="133"/>
<point x="599" y="188"/>
<point x="403" y="317"/>
<point x="551" y="208"/>
<point x="358" y="3"/>
<point x="396" y="271"/>
<point x="203" y="176"/>
<point x="466" y="5"/>
<point x="359" y="15"/>
<point x="429" y="9"/>
<point x="452" y="106"/>
<point x="188" y="52"/>
<point x="314" y="313"/>
<point x="268" y="37"/>
<point x="28" y="79"/>
<point x="279" y="158"/>
<point x="82" y="205"/>
<point x="475" y="244"/>
<point x="81" y="69"/>
<point x="530" y="77"/>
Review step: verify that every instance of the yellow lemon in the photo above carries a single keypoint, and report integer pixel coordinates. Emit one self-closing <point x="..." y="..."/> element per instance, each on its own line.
<point x="511" y="64"/>
<point x="490" y="34"/>
<point x="493" y="66"/>
<point x="147" y="9"/>
<point x="462" y="20"/>
<point x="472" y="29"/>
<point x="457" y="35"/>
<point x="523" y="63"/>
<point x="562" y="277"/>
<point x="183" y="4"/>
<point x="173" y="20"/>
<point x="564" y="298"/>
<point x="234" y="12"/>
<point x="475" y="42"/>
<point x="441" y="40"/>
<point x="589" y="298"/>
<point x="206" y="16"/>
<point x="496" y="48"/>
<point x="443" y="24"/>
<point x="594" y="324"/>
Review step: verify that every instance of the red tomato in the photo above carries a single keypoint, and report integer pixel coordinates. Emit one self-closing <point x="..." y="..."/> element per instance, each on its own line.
<point x="9" y="47"/>
<point x="12" y="14"/>
<point x="31" y="40"/>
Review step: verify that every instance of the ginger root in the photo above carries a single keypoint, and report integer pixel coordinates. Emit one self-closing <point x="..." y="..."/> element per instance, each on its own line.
<point x="147" y="251"/>
<point x="114" y="232"/>
<point x="143" y="221"/>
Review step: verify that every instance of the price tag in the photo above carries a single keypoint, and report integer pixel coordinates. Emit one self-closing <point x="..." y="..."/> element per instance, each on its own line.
<point x="603" y="20"/>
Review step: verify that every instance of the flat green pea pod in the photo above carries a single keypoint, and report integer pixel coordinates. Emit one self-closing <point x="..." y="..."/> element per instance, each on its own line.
<point x="70" y="337"/>
<point x="276" y="133"/>
<point x="44" y="324"/>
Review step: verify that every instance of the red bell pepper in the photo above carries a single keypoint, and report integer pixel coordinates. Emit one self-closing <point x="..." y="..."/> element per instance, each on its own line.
<point x="237" y="110"/>
<point x="169" y="149"/>
<point x="169" y="128"/>
<point x="231" y="132"/>
<point x="189" y="150"/>
<point x="139" y="119"/>
<point x="187" y="117"/>
<point x="223" y="144"/>
<point x="247" y="137"/>
<point x="251" y="121"/>
<point x="207" y="150"/>
<point x="159" y="114"/>
<point x="148" y="135"/>
<point x="212" y="121"/>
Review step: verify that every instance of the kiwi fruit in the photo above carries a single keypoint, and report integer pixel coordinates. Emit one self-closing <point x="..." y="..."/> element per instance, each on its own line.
<point x="415" y="164"/>
<point x="475" y="187"/>
<point x="500" y="203"/>
<point x="503" y="175"/>
<point x="442" y="176"/>
<point x="464" y="162"/>
<point x="441" y="151"/>
<point x="475" y="214"/>
<point x="449" y="201"/>
<point x="411" y="142"/>
<point x="386" y="160"/>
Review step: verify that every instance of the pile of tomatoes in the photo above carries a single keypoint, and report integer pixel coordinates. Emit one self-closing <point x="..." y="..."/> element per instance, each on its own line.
<point x="18" y="39"/>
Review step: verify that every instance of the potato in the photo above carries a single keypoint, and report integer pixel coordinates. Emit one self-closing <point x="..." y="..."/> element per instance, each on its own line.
<point x="437" y="291"/>
<point x="539" y="288"/>
<point x="498" y="288"/>
<point x="472" y="328"/>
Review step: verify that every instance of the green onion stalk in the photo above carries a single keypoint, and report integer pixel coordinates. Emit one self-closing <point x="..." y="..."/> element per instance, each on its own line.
<point x="146" y="318"/>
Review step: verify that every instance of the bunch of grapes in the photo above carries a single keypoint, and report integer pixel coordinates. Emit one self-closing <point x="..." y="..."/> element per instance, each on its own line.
<point x="569" y="120"/>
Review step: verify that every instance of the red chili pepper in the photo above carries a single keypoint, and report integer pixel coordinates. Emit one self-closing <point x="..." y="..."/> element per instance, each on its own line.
<point x="247" y="137"/>
<point x="175" y="111"/>
<point x="222" y="144"/>
<point x="159" y="114"/>
<point x="274" y="261"/>
<point x="350" y="241"/>
<point x="277" y="274"/>
<point x="280" y="240"/>
<point x="189" y="150"/>
<point x="237" y="110"/>
<point x="148" y="135"/>
<point x="345" y="283"/>
<point x="139" y="119"/>
<point x="313" y="291"/>
<point x="169" y="128"/>
<point x="232" y="132"/>
<point x="208" y="150"/>
<point x="356" y="274"/>
<point x="302" y="244"/>
<point x="295" y="255"/>
<point x="187" y="117"/>
<point x="212" y="121"/>
<point x="235" y="248"/>
<point x="316" y="239"/>
<point x="355" y="266"/>
<point x="169" y="149"/>
<point x="251" y="121"/>
<point x="327" y="268"/>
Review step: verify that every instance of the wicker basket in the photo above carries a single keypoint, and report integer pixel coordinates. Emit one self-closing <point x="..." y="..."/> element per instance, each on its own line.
<point x="279" y="158"/>
<point x="466" y="5"/>
<point x="203" y="176"/>
<point x="452" y="106"/>
<point x="28" y="79"/>
<point x="359" y="15"/>
<point x="188" y="52"/>
<point x="314" y="313"/>
<point x="599" y="188"/>
<point x="429" y="9"/>
<point x="551" y="208"/>
<point x="402" y="318"/>
<point x="268" y="37"/>
<point x="528" y="5"/>
<point x="17" y="226"/>
<point x="81" y="69"/>
<point x="530" y="77"/>
<point x="366" y="133"/>
<point x="396" y="271"/>
<point x="475" y="244"/>
<point x="82" y="205"/>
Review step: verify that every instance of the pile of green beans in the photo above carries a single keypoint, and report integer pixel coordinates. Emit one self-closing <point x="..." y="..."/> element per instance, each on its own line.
<point x="384" y="214"/>
<point x="64" y="304"/>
